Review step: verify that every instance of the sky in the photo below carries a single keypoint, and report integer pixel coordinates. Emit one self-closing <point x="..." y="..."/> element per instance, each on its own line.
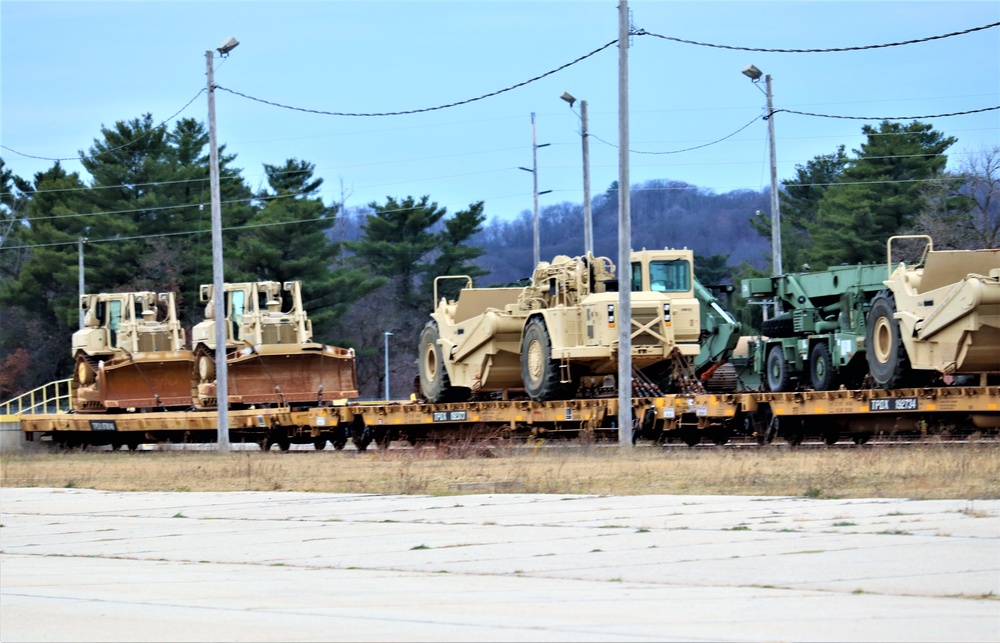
<point x="69" y="68"/>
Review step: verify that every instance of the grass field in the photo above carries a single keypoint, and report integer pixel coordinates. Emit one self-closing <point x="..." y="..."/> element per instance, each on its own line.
<point x="925" y="472"/>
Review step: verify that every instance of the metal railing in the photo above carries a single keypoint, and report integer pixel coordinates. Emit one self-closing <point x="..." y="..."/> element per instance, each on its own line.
<point x="51" y="398"/>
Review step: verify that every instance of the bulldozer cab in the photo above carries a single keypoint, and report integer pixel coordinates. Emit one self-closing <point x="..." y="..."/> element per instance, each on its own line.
<point x="257" y="313"/>
<point x="129" y="322"/>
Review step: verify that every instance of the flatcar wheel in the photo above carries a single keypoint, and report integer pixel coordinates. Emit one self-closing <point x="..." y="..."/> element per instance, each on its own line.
<point x="319" y="444"/>
<point x="692" y="438"/>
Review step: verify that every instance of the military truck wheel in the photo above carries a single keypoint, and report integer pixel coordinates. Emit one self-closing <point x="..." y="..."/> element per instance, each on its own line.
<point x="821" y="372"/>
<point x="539" y="371"/>
<point x="434" y="382"/>
<point x="778" y="378"/>
<point x="887" y="359"/>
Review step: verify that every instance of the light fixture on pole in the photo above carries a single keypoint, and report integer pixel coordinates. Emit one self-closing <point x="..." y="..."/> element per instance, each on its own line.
<point x="754" y="75"/>
<point x="534" y="173"/>
<point x="218" y="290"/>
<point x="388" y="334"/>
<point x="588" y="226"/>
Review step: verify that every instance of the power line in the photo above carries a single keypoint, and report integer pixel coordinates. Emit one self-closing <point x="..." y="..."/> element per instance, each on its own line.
<point x="686" y="186"/>
<point x="884" y="118"/>
<point x="687" y="149"/>
<point x="113" y="149"/>
<point x="167" y="207"/>
<point x="643" y="32"/>
<point x="424" y="109"/>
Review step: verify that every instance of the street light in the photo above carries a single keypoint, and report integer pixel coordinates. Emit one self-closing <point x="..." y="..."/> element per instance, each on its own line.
<point x="534" y="173"/>
<point x="221" y="368"/>
<point x="588" y="226"/>
<point x="388" y="334"/>
<point x="754" y="75"/>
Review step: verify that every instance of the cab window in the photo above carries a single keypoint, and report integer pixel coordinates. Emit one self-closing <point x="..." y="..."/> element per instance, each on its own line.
<point x="669" y="275"/>
<point x="636" y="277"/>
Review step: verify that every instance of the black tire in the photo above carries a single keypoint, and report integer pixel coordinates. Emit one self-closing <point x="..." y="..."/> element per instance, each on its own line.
<point x="887" y="359"/>
<point x="821" y="371"/>
<point x="539" y="371"/>
<point x="781" y="326"/>
<point x="319" y="444"/>
<point x="778" y="377"/>
<point x="434" y="381"/>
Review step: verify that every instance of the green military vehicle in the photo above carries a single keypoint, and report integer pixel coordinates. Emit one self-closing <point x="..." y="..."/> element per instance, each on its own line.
<point x="814" y="336"/>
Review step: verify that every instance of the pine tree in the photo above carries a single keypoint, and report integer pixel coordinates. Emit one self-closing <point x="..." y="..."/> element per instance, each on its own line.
<point x="288" y="239"/>
<point x="879" y="194"/>
<point x="397" y="238"/>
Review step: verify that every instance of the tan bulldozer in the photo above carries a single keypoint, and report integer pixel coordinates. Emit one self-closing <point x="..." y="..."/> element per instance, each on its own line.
<point x="130" y="354"/>
<point x="271" y="356"/>
<point x="558" y="335"/>
<point x="939" y="315"/>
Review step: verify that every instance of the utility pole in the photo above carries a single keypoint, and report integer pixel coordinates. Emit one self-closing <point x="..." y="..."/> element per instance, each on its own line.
<point x="754" y="74"/>
<point x="775" y="212"/>
<point x="79" y="271"/>
<point x="534" y="173"/>
<point x="624" y="240"/>
<point x="588" y="224"/>
<point x="218" y="290"/>
<point x="388" y="334"/>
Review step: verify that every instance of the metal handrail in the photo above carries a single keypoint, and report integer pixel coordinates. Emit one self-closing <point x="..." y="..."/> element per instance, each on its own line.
<point x="50" y="398"/>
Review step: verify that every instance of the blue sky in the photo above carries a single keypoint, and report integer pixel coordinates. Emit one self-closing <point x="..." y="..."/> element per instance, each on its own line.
<point x="70" y="67"/>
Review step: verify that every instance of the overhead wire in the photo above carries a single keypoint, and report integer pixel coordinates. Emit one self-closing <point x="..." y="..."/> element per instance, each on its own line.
<point x="113" y="149"/>
<point x="643" y="32"/>
<point x="634" y="32"/>
<point x="424" y="109"/>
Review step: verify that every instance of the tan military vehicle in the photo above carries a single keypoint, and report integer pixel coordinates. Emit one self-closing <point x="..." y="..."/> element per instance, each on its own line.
<point x="560" y="332"/>
<point x="130" y="354"/>
<point x="939" y="315"/>
<point x="271" y="356"/>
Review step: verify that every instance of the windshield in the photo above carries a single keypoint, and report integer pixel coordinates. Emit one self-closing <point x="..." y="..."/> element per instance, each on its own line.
<point x="670" y="275"/>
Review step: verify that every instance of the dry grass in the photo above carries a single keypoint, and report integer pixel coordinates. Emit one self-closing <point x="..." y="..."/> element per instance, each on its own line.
<point x="933" y="471"/>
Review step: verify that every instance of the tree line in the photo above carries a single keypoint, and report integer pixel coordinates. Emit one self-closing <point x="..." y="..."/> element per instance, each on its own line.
<point x="144" y="221"/>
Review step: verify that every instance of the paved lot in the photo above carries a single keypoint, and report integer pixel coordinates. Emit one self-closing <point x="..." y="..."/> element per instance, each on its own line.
<point x="83" y="565"/>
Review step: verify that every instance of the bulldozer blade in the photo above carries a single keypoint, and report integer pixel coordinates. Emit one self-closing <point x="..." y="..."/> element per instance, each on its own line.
<point x="157" y="380"/>
<point x="296" y="377"/>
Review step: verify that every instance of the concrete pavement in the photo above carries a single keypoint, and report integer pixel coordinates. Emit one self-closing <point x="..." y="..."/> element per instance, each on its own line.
<point x="84" y="565"/>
